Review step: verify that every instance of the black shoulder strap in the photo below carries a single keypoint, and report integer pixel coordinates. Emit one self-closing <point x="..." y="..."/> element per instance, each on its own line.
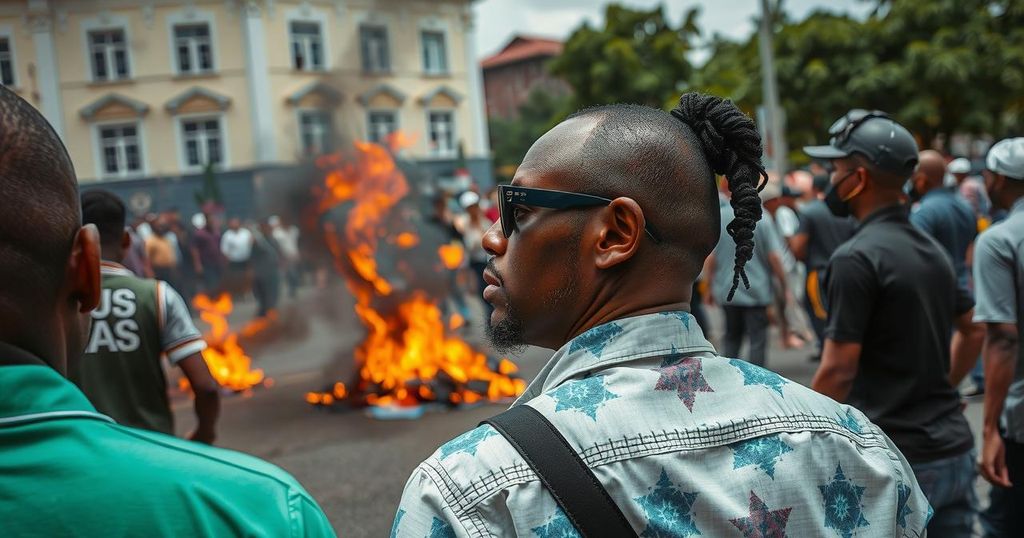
<point x="573" y="485"/>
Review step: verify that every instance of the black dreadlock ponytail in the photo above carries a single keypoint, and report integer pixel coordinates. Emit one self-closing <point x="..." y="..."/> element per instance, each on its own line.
<point x="732" y="146"/>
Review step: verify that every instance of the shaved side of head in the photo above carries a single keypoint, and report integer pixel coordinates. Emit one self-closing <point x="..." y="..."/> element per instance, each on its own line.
<point x="648" y="155"/>
<point x="41" y="210"/>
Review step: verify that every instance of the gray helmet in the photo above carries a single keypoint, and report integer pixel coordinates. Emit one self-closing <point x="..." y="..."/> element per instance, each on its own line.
<point x="871" y="133"/>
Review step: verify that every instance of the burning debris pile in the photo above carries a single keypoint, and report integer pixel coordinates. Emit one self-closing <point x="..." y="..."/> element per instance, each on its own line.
<point x="410" y="354"/>
<point x="227" y="361"/>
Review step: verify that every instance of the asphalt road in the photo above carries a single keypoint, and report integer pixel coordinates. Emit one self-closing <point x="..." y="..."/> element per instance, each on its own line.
<point x="354" y="465"/>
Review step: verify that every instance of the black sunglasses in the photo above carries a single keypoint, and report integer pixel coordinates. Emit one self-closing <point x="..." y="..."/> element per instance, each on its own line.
<point x="844" y="126"/>
<point x="510" y="196"/>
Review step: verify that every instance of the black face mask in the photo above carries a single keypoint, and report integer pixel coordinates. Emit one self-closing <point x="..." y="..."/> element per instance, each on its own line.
<point x="835" y="203"/>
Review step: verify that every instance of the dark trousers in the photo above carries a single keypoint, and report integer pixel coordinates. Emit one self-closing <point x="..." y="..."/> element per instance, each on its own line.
<point x="1004" y="516"/>
<point x="949" y="486"/>
<point x="267" y="289"/>
<point x="814" y="304"/>
<point x="748" y="323"/>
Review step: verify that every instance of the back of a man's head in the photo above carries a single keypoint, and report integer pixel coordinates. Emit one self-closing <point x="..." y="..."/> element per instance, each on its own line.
<point x="40" y="207"/>
<point x="668" y="163"/>
<point x="107" y="212"/>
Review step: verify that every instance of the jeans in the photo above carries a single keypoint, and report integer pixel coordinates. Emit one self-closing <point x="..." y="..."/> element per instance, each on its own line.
<point x="751" y="323"/>
<point x="949" y="486"/>
<point x="1004" y="516"/>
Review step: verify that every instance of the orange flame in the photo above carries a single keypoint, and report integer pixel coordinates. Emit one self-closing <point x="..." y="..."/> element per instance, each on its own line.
<point x="451" y="255"/>
<point x="410" y="355"/>
<point x="226" y="359"/>
<point x="407" y="240"/>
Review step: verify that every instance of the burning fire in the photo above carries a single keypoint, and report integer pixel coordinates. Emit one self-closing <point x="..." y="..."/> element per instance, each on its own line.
<point x="409" y="354"/>
<point x="227" y="361"/>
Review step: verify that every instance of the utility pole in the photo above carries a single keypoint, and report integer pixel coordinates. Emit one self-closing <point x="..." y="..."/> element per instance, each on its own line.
<point x="773" y="111"/>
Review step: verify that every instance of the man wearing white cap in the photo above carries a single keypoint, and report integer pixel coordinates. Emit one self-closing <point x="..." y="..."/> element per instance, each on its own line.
<point x="999" y="290"/>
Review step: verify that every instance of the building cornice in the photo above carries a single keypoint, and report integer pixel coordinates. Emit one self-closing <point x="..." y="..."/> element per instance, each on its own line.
<point x="175" y="104"/>
<point x="366" y="97"/>
<point x="89" y="111"/>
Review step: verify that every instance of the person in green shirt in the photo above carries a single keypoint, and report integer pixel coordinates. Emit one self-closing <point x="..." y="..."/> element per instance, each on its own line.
<point x="65" y="469"/>
<point x="138" y="321"/>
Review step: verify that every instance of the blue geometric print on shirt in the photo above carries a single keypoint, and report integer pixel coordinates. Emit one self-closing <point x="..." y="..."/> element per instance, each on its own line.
<point x="755" y="375"/>
<point x="558" y="526"/>
<point x="668" y="510"/>
<point x="681" y="316"/>
<point x="440" y="529"/>
<point x="844" y="512"/>
<point x="849" y="422"/>
<point x="467" y="442"/>
<point x="764" y="452"/>
<point x="584" y="395"/>
<point x="682" y="375"/>
<point x="595" y="339"/>
<point x="398" y="522"/>
<point x="902" y="504"/>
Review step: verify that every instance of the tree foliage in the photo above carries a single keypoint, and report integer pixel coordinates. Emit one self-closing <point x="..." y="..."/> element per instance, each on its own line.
<point x="637" y="57"/>
<point x="510" y="139"/>
<point x="939" y="66"/>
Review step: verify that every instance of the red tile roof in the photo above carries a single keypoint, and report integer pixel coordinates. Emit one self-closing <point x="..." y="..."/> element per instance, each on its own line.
<point x="523" y="48"/>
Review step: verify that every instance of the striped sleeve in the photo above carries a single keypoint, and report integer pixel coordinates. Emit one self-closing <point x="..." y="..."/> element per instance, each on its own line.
<point x="179" y="337"/>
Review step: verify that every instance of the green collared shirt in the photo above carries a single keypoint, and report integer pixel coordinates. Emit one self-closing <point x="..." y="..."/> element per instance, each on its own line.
<point x="66" y="470"/>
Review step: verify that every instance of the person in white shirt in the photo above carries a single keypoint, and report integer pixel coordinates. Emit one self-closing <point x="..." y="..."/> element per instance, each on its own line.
<point x="236" y="245"/>
<point x="287" y="238"/>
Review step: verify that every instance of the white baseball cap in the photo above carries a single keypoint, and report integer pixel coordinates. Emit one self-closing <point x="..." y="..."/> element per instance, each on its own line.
<point x="1006" y="157"/>
<point x="468" y="199"/>
<point x="959" y="165"/>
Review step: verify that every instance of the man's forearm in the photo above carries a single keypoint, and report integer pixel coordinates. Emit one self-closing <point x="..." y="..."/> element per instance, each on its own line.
<point x="964" y="350"/>
<point x="775" y="261"/>
<point x="207" y="407"/>
<point x="833" y="382"/>
<point x="1000" y="364"/>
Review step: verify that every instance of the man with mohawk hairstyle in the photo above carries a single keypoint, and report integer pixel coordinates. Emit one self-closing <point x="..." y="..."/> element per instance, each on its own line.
<point x="601" y="234"/>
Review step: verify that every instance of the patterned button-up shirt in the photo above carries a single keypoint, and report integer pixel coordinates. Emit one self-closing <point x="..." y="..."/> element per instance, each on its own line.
<point x="686" y="442"/>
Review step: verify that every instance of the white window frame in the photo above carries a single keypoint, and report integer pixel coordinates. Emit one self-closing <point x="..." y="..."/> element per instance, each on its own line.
<point x="444" y="51"/>
<point x="189" y="18"/>
<point x="332" y="129"/>
<point x="315" y="16"/>
<point x="99" y="154"/>
<point x="225" y="159"/>
<point x="104" y="23"/>
<point x="435" y="151"/>
<point x="7" y="33"/>
<point x="387" y="45"/>
<point x="305" y="42"/>
<point x="395" y="113"/>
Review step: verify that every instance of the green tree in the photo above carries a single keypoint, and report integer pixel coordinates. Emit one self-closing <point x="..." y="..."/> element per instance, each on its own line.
<point x="939" y="66"/>
<point x="510" y="139"/>
<point x="637" y="57"/>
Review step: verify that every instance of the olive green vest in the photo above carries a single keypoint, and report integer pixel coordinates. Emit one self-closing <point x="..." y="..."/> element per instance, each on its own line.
<point x="120" y="371"/>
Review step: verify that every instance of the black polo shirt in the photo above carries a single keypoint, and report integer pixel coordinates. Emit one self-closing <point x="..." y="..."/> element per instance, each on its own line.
<point x="892" y="289"/>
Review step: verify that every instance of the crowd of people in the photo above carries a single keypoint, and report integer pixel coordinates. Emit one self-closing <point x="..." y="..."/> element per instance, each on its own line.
<point x="900" y="265"/>
<point x="210" y="256"/>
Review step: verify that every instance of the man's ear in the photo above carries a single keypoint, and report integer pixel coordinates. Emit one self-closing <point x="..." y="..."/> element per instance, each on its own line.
<point x="83" y="273"/>
<point x="126" y="241"/>
<point x="622" y="229"/>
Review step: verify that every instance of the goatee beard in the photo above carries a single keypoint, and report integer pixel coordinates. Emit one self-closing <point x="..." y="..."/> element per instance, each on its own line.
<point x="506" y="336"/>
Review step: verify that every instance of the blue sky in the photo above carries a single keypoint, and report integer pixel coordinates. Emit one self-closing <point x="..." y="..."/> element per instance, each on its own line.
<point x="498" y="20"/>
